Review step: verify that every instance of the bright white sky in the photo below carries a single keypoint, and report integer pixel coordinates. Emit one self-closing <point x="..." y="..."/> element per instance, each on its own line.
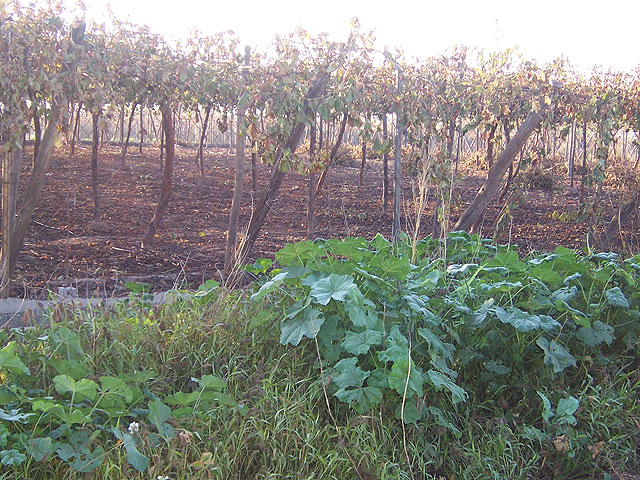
<point x="588" y="33"/>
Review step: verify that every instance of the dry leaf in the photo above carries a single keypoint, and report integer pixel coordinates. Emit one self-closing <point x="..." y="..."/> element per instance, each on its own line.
<point x="562" y="444"/>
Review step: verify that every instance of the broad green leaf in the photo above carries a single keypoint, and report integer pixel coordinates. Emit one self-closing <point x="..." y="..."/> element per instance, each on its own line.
<point x="355" y="248"/>
<point x="566" y="259"/>
<point x="603" y="275"/>
<point x="70" y="418"/>
<point x="380" y="243"/>
<point x="77" y="453"/>
<point x="418" y="304"/>
<point x="361" y="311"/>
<point x="440" y="365"/>
<point x="70" y="367"/>
<point x="158" y="412"/>
<point x="299" y="253"/>
<point x="294" y="329"/>
<point x="10" y="361"/>
<point x="442" y="382"/>
<point x="294" y="272"/>
<point x="437" y="348"/>
<point x="525" y="322"/>
<point x="542" y="259"/>
<point x="566" y="408"/>
<point x="67" y="340"/>
<point x="616" y="298"/>
<point x="7" y="395"/>
<point x="539" y="301"/>
<point x="213" y="396"/>
<point x="64" y="451"/>
<point x="297" y="308"/>
<point x="349" y="374"/>
<point x="500" y="271"/>
<point x="360" y="343"/>
<point x="401" y="377"/>
<point x="85" y="388"/>
<point x="14" y="415"/>
<point x="466" y="269"/>
<point x="597" y="334"/>
<point x="556" y="355"/>
<point x="182" y="398"/>
<point x="363" y="399"/>
<point x="269" y="287"/>
<point x="430" y="280"/>
<point x="43" y="405"/>
<point x="64" y="383"/>
<point x="116" y="386"/>
<point x="458" y="306"/>
<point x="410" y="415"/>
<point x="88" y="461"/>
<point x="508" y="259"/>
<point x="210" y="382"/>
<point x="390" y="266"/>
<point x="397" y="346"/>
<point x="4" y="435"/>
<point x="12" y="457"/>
<point x="545" y="274"/>
<point x="134" y="457"/>
<point x="496" y="367"/>
<point x="379" y="281"/>
<point x="547" y="411"/>
<point x="571" y="278"/>
<point x="607" y="256"/>
<point x="498" y="287"/>
<point x="533" y="433"/>
<point x="440" y="419"/>
<point x="40" y="448"/>
<point x="564" y="294"/>
<point x="478" y="317"/>
<point x="260" y="266"/>
<point x="579" y="317"/>
<point x="335" y="287"/>
<point x="137" y="377"/>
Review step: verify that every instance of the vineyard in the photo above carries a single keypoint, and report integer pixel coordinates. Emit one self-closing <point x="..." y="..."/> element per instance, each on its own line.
<point x="427" y="234"/>
<point x="297" y="109"/>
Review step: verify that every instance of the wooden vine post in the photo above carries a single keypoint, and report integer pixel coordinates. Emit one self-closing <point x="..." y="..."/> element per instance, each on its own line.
<point x="397" y="162"/>
<point x="311" y="200"/>
<point x="238" y="186"/>
<point x="385" y="168"/>
<point x="11" y="163"/>
<point x="95" y="138"/>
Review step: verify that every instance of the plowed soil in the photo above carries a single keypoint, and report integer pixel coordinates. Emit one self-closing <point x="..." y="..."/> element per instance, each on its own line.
<point x="65" y="248"/>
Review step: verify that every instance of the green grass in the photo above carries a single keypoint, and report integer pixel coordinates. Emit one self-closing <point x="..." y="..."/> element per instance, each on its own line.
<point x="284" y="430"/>
<point x="278" y="425"/>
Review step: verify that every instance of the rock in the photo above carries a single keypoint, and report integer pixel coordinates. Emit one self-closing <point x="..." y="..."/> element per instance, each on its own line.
<point x="67" y="292"/>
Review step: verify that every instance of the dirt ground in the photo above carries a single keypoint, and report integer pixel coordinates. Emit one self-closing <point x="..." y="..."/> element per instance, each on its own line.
<point x="65" y="248"/>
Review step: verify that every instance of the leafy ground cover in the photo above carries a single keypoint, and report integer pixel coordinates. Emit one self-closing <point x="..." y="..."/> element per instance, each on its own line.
<point x="346" y="359"/>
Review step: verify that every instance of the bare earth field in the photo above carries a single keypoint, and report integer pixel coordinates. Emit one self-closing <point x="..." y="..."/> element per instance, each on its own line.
<point x="65" y="248"/>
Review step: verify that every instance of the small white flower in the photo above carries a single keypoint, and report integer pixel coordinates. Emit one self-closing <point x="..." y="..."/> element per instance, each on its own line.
<point x="162" y="477"/>
<point x="134" y="427"/>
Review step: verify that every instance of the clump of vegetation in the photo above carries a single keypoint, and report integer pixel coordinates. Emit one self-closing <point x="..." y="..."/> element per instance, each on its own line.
<point x="539" y="179"/>
<point x="478" y="340"/>
<point x="390" y="362"/>
<point x="623" y="178"/>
